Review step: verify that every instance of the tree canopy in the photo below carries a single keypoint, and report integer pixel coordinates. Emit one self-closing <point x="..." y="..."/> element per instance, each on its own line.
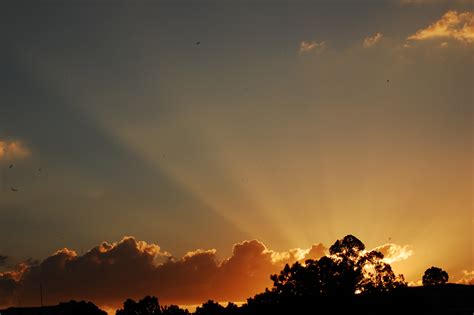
<point x="149" y="305"/>
<point x="435" y="276"/>
<point x="347" y="270"/>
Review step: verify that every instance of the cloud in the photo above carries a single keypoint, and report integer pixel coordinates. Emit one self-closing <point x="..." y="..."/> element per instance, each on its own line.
<point x="10" y="281"/>
<point x="372" y="40"/>
<point x="316" y="251"/>
<point x="307" y="46"/>
<point x="394" y="253"/>
<point x="111" y="272"/>
<point x="11" y="150"/>
<point x="452" y="25"/>
<point x="468" y="277"/>
<point x="416" y="283"/>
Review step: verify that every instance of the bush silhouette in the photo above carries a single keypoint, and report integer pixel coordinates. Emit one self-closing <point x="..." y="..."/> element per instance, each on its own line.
<point x="210" y="308"/>
<point x="173" y="310"/>
<point x="435" y="276"/>
<point x="147" y="306"/>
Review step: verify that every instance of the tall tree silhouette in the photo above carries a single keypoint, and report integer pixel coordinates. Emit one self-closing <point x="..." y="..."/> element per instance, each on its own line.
<point x="435" y="276"/>
<point x="378" y="275"/>
<point x="349" y="269"/>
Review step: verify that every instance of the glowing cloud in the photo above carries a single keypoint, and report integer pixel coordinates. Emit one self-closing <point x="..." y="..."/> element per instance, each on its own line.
<point x="307" y="46"/>
<point x="371" y="41"/>
<point x="416" y="283"/>
<point x="393" y="252"/>
<point x="11" y="150"/>
<point x="452" y="25"/>
<point x="468" y="277"/>
<point x="100" y="273"/>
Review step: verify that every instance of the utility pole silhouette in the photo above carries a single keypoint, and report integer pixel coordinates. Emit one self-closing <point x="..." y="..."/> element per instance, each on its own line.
<point x="41" y="299"/>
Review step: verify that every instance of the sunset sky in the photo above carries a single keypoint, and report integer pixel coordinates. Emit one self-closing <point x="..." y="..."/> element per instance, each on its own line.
<point x="205" y="167"/>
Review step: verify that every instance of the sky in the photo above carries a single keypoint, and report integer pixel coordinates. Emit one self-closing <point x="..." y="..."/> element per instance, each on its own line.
<point x="126" y="145"/>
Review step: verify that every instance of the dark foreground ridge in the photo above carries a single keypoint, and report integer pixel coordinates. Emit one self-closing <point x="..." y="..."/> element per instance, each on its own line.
<point x="444" y="299"/>
<point x="69" y="308"/>
<point x="447" y="299"/>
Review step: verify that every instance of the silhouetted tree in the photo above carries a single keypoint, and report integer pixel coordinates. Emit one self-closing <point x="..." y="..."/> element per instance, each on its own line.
<point x="349" y="247"/>
<point x="210" y="308"/>
<point x="231" y="309"/>
<point x="347" y="270"/>
<point x="173" y="310"/>
<point x="298" y="280"/>
<point x="435" y="276"/>
<point x="147" y="306"/>
<point x="378" y="275"/>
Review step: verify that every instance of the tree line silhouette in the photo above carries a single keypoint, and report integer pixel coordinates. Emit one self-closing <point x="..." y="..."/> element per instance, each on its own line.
<point x="350" y="280"/>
